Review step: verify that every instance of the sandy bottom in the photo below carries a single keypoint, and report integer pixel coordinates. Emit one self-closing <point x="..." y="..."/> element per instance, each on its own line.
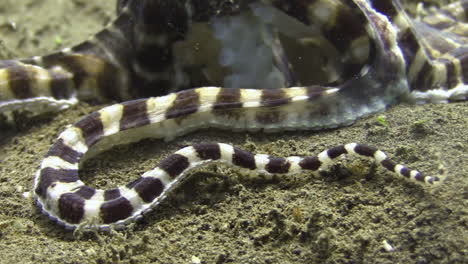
<point x="220" y="216"/>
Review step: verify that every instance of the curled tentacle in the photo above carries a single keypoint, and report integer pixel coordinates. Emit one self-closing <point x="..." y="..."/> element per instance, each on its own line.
<point x="66" y="199"/>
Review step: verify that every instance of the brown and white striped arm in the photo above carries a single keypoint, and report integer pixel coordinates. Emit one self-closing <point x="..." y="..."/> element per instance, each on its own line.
<point x="33" y="88"/>
<point x="68" y="201"/>
<point x="131" y="58"/>
<point x="383" y="57"/>
<point x="435" y="52"/>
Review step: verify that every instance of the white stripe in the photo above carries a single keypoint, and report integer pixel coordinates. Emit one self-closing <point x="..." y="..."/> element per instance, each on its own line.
<point x="250" y="98"/>
<point x="37" y="59"/>
<point x="294" y="161"/>
<point x="427" y="179"/>
<point x="110" y="118"/>
<point x="324" y="159"/>
<point x="98" y="195"/>
<point x="132" y="196"/>
<point x="66" y="50"/>
<point x="5" y="92"/>
<point x="158" y="106"/>
<point x="379" y="156"/>
<point x="57" y="163"/>
<point x="73" y="138"/>
<point x="413" y="174"/>
<point x="226" y="152"/>
<point x="158" y="174"/>
<point x="40" y="80"/>
<point x="190" y="153"/>
<point x="56" y="190"/>
<point x="92" y="210"/>
<point x="398" y="169"/>
<point x="261" y="160"/>
<point x="350" y="148"/>
<point x="416" y="65"/>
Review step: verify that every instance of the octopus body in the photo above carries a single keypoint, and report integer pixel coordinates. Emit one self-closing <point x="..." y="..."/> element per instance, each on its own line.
<point x="267" y="65"/>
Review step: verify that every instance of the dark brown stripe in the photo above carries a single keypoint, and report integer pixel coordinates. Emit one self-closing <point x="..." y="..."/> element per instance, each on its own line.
<point x="134" y="183"/>
<point x="112" y="41"/>
<point x="71" y="207"/>
<point x="83" y="67"/>
<point x="107" y="81"/>
<point x="148" y="188"/>
<point x="433" y="179"/>
<point x="385" y="7"/>
<point x="86" y="192"/>
<point x="115" y="41"/>
<point x="462" y="55"/>
<point x="409" y="46"/>
<point x="158" y="18"/>
<point x="314" y="92"/>
<point x="365" y="150"/>
<point x="243" y="159"/>
<point x="310" y="163"/>
<point x="174" y="164"/>
<point x="91" y="127"/>
<point x="186" y="102"/>
<point x="208" y="151"/>
<point x="451" y="76"/>
<point x="405" y="172"/>
<point x="277" y="165"/>
<point x="336" y="151"/>
<point x="424" y="78"/>
<point x="228" y="98"/>
<point x="134" y="114"/>
<point x="349" y="25"/>
<point x="115" y="210"/>
<point x="19" y="79"/>
<point x="50" y="176"/>
<point x="84" y="46"/>
<point x="274" y="97"/>
<point x="69" y="62"/>
<point x="60" y="85"/>
<point x="59" y="149"/>
<point x="388" y="164"/>
<point x="419" y="177"/>
<point x="111" y="194"/>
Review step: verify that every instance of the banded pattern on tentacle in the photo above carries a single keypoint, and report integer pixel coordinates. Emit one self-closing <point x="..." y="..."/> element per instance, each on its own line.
<point x="67" y="200"/>
<point x="136" y="55"/>
<point x="33" y="88"/>
<point x="436" y="61"/>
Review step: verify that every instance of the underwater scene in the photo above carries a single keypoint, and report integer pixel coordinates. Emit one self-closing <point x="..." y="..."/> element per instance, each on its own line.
<point x="233" y="131"/>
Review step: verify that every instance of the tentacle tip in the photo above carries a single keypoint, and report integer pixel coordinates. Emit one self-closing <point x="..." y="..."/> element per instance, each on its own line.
<point x="433" y="180"/>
